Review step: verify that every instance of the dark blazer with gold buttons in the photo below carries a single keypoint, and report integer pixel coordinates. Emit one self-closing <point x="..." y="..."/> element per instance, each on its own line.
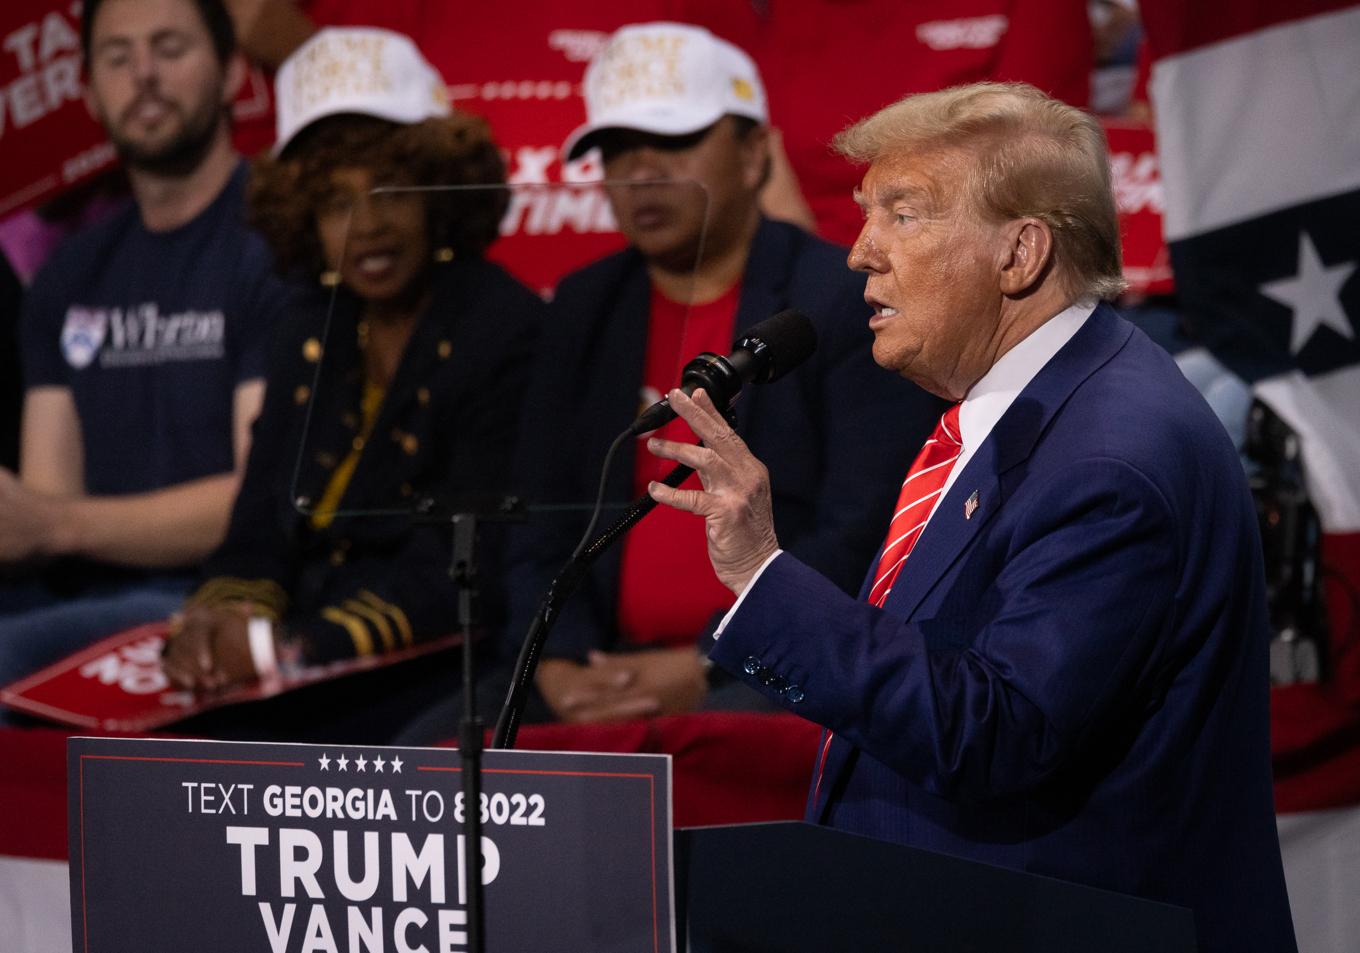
<point x="376" y="579"/>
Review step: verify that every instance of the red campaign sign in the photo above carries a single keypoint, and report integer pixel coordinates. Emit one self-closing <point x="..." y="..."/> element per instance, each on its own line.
<point x="48" y="140"/>
<point x="117" y="684"/>
<point x="1138" y="193"/>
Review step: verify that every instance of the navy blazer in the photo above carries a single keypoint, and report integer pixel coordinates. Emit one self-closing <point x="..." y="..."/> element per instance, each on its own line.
<point x="377" y="578"/>
<point x="1070" y="679"/>
<point x="822" y="430"/>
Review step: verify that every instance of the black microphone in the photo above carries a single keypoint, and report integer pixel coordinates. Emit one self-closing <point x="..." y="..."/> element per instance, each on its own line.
<point x="765" y="353"/>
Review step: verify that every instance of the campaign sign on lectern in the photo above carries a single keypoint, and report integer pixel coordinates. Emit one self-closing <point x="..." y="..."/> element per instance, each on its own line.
<point x="234" y="847"/>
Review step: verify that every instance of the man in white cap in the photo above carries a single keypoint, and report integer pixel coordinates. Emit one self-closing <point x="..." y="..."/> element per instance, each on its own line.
<point x="144" y="347"/>
<point x="679" y="117"/>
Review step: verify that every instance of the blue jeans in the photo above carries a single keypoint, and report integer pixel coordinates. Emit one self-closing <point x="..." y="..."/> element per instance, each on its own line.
<point x="38" y="627"/>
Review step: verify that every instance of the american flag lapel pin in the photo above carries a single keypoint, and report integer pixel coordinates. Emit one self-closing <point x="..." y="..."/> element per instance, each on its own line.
<point x="970" y="506"/>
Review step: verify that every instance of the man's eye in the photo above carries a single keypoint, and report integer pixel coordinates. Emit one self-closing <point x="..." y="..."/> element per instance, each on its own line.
<point x="171" y="47"/>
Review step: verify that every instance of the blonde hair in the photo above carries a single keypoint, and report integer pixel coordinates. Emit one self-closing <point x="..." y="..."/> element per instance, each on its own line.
<point x="1031" y="157"/>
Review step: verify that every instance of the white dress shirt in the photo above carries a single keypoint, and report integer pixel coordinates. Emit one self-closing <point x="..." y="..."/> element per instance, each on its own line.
<point x="986" y="402"/>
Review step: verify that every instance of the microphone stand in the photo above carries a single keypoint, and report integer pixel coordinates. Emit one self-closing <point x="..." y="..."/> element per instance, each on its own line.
<point x="566" y="582"/>
<point x="463" y="571"/>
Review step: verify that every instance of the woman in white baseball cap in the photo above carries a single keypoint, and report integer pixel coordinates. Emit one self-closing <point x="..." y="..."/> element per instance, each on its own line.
<point x="398" y="382"/>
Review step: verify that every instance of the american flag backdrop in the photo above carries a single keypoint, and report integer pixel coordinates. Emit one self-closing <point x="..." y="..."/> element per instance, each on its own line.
<point x="1257" y="108"/>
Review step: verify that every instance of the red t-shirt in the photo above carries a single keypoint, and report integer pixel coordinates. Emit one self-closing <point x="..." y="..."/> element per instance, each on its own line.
<point x="667" y="589"/>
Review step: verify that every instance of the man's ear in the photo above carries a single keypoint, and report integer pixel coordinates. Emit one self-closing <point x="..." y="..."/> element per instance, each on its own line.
<point x="1027" y="253"/>
<point x="755" y="150"/>
<point x="237" y="70"/>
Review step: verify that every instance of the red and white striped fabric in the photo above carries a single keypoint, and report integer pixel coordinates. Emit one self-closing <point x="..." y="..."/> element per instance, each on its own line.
<point x="920" y="491"/>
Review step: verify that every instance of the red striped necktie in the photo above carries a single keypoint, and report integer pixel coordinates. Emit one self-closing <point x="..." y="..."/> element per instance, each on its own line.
<point x="922" y="487"/>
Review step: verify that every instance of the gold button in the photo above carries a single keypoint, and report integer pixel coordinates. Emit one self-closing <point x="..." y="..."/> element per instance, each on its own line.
<point x="326" y="459"/>
<point x="301" y="394"/>
<point x="358" y="444"/>
<point x="349" y="420"/>
<point x="445" y="349"/>
<point x="337" y="557"/>
<point x="423" y="396"/>
<point x="410" y="444"/>
<point x="407" y="489"/>
<point x="311" y="350"/>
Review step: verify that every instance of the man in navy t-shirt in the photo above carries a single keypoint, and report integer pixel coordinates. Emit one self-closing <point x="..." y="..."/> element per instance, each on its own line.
<point x="143" y="346"/>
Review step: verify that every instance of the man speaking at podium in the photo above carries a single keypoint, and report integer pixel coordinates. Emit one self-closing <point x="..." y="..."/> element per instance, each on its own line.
<point x="1058" y="662"/>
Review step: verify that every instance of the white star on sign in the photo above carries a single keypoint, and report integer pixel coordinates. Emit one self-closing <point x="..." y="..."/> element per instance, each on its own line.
<point x="342" y="762"/>
<point x="378" y="763"/>
<point x="360" y="762"/>
<point x="324" y="761"/>
<point x="1313" y="294"/>
<point x="396" y="766"/>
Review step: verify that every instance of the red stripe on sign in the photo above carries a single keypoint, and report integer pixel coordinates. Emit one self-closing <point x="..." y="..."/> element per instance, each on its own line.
<point x="1174" y="26"/>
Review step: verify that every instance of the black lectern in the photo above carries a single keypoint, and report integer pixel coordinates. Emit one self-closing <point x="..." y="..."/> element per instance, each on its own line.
<point x="797" y="888"/>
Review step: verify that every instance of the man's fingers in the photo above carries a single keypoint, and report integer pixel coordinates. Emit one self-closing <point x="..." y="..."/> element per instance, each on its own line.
<point x="691" y="501"/>
<point x="691" y="455"/>
<point x="703" y="418"/>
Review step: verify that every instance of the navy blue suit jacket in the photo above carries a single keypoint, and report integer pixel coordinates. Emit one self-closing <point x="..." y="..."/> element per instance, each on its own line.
<point x="836" y="433"/>
<point x="1072" y="681"/>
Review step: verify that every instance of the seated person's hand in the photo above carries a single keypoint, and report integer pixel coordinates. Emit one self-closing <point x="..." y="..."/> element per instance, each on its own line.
<point x="616" y="687"/>
<point x="209" y="648"/>
<point x="585" y="693"/>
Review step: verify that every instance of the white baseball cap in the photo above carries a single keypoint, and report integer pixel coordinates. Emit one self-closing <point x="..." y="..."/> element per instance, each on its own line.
<point x="666" y="78"/>
<point x="361" y="70"/>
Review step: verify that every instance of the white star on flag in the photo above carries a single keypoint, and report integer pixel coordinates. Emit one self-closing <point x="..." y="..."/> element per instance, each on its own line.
<point x="396" y="766"/>
<point x="342" y="763"/>
<point x="378" y="763"/>
<point x="361" y="763"/>
<point x="1314" y="295"/>
<point x="324" y="761"/>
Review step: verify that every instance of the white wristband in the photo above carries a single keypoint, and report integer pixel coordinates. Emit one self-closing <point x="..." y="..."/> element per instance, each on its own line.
<point x="260" y="635"/>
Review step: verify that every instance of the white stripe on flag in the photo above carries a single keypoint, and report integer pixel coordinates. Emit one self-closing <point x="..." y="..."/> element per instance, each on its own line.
<point x="1322" y="411"/>
<point x="1259" y="123"/>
